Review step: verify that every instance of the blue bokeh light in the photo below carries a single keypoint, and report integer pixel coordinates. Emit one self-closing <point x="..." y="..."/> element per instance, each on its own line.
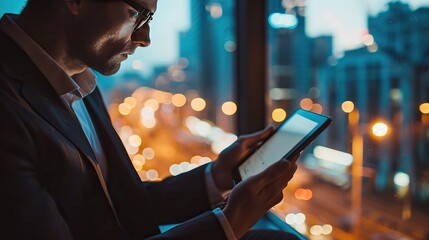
<point x="279" y="20"/>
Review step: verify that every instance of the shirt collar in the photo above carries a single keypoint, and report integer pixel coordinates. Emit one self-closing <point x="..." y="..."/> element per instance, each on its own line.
<point x="79" y="85"/>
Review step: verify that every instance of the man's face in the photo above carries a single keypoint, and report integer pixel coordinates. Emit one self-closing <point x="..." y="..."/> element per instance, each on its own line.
<point x="101" y="35"/>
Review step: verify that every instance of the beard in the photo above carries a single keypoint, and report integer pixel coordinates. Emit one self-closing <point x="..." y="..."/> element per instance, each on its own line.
<point x="101" y="52"/>
<point x="108" y="67"/>
<point x="104" y="58"/>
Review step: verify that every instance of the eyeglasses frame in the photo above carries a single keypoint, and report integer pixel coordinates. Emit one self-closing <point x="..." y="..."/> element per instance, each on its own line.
<point x="145" y="15"/>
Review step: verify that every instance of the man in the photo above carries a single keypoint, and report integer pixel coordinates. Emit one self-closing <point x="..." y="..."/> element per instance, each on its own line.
<point x="64" y="173"/>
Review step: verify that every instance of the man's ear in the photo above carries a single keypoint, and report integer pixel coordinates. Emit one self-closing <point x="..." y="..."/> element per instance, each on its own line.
<point x="73" y="6"/>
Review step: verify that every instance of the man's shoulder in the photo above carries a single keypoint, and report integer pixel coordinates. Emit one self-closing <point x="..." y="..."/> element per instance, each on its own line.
<point x="14" y="62"/>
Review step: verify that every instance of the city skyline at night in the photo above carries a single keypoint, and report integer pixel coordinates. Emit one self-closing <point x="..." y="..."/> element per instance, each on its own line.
<point x="345" y="20"/>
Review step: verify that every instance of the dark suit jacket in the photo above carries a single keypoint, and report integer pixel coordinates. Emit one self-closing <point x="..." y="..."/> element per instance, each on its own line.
<point x="50" y="183"/>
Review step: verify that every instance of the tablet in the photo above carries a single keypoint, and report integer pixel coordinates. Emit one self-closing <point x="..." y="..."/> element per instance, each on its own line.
<point x="288" y="140"/>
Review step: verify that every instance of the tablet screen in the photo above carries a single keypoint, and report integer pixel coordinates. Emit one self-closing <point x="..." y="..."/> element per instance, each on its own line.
<point x="287" y="136"/>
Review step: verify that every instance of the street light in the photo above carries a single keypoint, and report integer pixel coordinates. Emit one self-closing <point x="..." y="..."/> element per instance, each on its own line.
<point x="424" y="109"/>
<point x="402" y="183"/>
<point x="348" y="106"/>
<point x="379" y="129"/>
<point x="357" y="152"/>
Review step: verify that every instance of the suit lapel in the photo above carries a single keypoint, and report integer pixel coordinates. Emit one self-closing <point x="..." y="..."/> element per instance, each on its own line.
<point x="40" y="95"/>
<point x="45" y="101"/>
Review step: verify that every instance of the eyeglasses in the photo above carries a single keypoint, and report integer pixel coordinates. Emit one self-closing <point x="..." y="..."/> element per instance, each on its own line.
<point x="144" y="15"/>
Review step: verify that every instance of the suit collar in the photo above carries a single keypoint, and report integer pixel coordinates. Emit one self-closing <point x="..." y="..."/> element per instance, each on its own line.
<point x="45" y="101"/>
<point x="79" y="85"/>
<point x="39" y="94"/>
<point x="49" y="106"/>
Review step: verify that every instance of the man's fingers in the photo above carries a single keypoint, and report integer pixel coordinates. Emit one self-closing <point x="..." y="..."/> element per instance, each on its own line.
<point x="284" y="178"/>
<point x="294" y="158"/>
<point x="254" y="138"/>
<point x="271" y="174"/>
<point x="276" y="177"/>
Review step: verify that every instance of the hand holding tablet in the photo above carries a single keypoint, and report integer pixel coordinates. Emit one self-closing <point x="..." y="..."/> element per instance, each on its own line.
<point x="286" y="142"/>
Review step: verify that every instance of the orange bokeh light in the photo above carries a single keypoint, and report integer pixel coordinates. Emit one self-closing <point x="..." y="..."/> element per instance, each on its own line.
<point x="348" y="106"/>
<point x="303" y="194"/>
<point x="424" y="108"/>
<point x="306" y="103"/>
<point x="317" y="108"/>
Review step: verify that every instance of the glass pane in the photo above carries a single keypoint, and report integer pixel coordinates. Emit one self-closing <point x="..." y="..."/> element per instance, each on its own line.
<point x="364" y="63"/>
<point x="173" y="103"/>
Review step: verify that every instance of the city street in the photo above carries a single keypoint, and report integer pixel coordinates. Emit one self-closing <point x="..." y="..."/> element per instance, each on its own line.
<point x="380" y="219"/>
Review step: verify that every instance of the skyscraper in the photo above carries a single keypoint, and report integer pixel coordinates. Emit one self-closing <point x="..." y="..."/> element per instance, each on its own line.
<point x="386" y="79"/>
<point x="209" y="46"/>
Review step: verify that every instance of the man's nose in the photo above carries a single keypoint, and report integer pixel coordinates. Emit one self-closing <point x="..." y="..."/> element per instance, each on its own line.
<point x="141" y="37"/>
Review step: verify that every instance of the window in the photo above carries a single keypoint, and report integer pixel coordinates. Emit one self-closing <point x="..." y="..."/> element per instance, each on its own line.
<point x="173" y="103"/>
<point x="335" y="55"/>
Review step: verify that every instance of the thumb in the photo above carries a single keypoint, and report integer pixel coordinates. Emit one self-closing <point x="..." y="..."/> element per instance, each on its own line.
<point x="272" y="173"/>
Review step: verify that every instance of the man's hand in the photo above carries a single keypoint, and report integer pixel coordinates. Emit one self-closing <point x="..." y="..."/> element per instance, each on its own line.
<point x="254" y="196"/>
<point x="231" y="157"/>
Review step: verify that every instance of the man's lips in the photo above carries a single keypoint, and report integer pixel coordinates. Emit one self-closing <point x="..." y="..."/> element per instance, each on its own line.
<point x="127" y="53"/>
<point x="130" y="51"/>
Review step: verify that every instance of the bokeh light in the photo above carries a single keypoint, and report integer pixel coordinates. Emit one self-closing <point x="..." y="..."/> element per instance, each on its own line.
<point x="135" y="141"/>
<point x="278" y="115"/>
<point x="124" y="109"/>
<point x="152" y="175"/>
<point x="137" y="165"/>
<point x="215" y="10"/>
<point x="152" y="103"/>
<point x="279" y="20"/>
<point x="132" y="102"/>
<point x="317" y="108"/>
<point x="149" y="123"/>
<point x="380" y="129"/>
<point x="316" y="230"/>
<point x="401" y="179"/>
<point x="148" y="153"/>
<point x="198" y="104"/>
<point x="290" y="219"/>
<point x="204" y="160"/>
<point x="348" y="106"/>
<point x="137" y="64"/>
<point x="147" y="113"/>
<point x="327" y="229"/>
<point x="195" y="159"/>
<point x="424" y="108"/>
<point x="229" y="108"/>
<point x="179" y="100"/>
<point x="139" y="158"/>
<point x="300" y="218"/>
<point x="368" y="40"/>
<point x="303" y="194"/>
<point x="175" y="169"/>
<point x="306" y="104"/>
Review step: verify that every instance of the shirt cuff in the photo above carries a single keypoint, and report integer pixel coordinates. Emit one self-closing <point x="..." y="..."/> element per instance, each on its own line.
<point x="229" y="233"/>
<point x="216" y="197"/>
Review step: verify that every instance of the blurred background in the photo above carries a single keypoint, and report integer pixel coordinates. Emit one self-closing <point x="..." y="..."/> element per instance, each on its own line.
<point x="178" y="103"/>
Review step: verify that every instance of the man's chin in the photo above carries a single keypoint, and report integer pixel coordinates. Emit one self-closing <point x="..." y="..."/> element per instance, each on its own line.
<point x="108" y="70"/>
